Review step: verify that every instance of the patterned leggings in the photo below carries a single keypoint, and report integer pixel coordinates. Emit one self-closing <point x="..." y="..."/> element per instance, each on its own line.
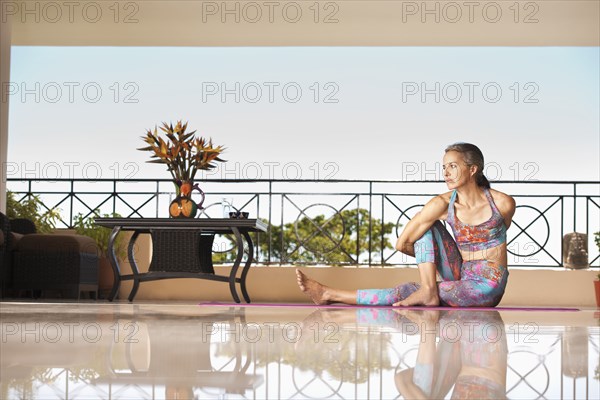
<point x="476" y="283"/>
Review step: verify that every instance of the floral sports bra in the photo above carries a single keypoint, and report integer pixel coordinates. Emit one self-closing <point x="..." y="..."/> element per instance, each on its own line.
<point x="489" y="234"/>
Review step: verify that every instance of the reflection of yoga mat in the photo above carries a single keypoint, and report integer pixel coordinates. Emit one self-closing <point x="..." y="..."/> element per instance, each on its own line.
<point x="305" y="305"/>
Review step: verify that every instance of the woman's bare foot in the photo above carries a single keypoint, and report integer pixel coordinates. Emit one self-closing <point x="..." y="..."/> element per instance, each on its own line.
<point x="313" y="289"/>
<point x="312" y="324"/>
<point x="427" y="317"/>
<point x="424" y="296"/>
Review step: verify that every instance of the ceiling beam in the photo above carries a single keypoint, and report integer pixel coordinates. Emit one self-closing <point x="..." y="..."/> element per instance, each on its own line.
<point x="303" y="23"/>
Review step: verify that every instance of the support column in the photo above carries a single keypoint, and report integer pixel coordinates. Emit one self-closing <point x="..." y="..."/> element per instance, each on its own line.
<point x="5" y="44"/>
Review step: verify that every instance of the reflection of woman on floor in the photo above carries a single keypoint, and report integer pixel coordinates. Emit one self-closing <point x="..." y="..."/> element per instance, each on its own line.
<point x="471" y="355"/>
<point x="466" y="349"/>
<point x="472" y="271"/>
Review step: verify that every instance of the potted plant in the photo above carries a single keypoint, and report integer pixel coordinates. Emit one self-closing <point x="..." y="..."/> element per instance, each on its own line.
<point x="87" y="227"/>
<point x="28" y="208"/>
<point x="184" y="154"/>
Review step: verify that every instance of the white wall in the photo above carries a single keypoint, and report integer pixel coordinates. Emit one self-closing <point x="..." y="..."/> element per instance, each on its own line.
<point x="526" y="287"/>
<point x="5" y="43"/>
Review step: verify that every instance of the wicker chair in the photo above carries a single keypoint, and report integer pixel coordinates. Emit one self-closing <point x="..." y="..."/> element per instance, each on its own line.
<point x="10" y="233"/>
<point x="51" y="262"/>
<point x="22" y="226"/>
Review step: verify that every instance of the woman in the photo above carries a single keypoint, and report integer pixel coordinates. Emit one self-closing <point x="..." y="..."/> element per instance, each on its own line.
<point x="472" y="270"/>
<point x="472" y="364"/>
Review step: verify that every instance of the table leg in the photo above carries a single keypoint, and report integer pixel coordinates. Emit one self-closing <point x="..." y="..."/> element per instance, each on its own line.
<point x="247" y="266"/>
<point x="134" y="268"/>
<point x="114" y="263"/>
<point x="236" y="264"/>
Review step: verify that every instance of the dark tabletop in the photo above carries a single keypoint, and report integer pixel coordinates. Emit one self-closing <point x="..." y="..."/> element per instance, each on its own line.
<point x="217" y="224"/>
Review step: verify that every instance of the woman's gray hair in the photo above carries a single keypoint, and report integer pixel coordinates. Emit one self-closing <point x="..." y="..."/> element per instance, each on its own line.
<point x="472" y="156"/>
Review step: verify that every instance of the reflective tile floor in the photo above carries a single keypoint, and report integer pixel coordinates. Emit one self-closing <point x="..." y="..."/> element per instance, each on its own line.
<point x="186" y="351"/>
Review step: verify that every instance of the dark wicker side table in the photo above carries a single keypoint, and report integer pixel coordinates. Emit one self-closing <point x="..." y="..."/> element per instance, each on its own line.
<point x="182" y="248"/>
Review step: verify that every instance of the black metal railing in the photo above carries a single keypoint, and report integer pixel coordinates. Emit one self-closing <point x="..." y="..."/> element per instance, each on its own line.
<point x="335" y="222"/>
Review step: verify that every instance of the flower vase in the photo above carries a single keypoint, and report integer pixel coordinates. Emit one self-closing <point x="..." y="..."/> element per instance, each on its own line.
<point x="183" y="206"/>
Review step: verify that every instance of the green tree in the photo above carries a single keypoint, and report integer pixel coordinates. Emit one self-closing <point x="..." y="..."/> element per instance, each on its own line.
<point x="338" y="240"/>
<point x="342" y="355"/>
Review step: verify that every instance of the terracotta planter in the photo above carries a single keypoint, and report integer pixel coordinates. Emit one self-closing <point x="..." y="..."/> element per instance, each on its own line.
<point x="597" y="288"/>
<point x="106" y="276"/>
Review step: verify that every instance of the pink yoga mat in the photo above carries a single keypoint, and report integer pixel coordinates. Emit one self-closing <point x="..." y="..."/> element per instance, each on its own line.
<point x="306" y="305"/>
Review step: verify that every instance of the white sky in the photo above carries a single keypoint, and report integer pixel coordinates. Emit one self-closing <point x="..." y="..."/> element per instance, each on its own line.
<point x="544" y="125"/>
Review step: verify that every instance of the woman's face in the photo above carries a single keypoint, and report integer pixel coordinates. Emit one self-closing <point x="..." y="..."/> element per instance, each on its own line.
<point x="456" y="172"/>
